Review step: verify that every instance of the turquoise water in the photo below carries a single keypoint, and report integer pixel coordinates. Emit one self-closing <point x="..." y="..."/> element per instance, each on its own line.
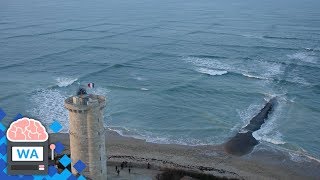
<point x="187" y="72"/>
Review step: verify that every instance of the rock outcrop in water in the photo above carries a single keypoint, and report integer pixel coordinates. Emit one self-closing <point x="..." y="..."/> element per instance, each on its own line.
<point x="243" y="142"/>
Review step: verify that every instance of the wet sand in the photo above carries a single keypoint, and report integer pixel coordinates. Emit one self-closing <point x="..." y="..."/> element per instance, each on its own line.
<point x="260" y="164"/>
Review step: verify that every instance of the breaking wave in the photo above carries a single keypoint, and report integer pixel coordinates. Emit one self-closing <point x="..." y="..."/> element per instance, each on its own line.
<point x="269" y="130"/>
<point x="247" y="114"/>
<point x="159" y="139"/>
<point x="65" y="81"/>
<point x="308" y="57"/>
<point x="254" y="76"/>
<point x="48" y="105"/>
<point x="207" y="63"/>
<point x="211" y="71"/>
<point x="262" y="70"/>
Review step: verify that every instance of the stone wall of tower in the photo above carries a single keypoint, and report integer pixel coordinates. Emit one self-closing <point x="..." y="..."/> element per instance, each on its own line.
<point x="96" y="136"/>
<point x="87" y="137"/>
<point x="78" y="138"/>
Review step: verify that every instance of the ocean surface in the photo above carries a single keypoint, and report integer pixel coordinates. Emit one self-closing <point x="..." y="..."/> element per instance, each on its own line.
<point x="188" y="72"/>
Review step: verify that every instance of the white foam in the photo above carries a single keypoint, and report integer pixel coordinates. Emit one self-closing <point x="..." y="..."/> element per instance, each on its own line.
<point x="65" y="81"/>
<point x="270" y="69"/>
<point x="247" y="114"/>
<point x="211" y="71"/>
<point x="269" y="130"/>
<point x="243" y="131"/>
<point x="308" y="57"/>
<point x="253" y="36"/>
<point x="313" y="158"/>
<point x="208" y="63"/>
<point x="144" y="89"/>
<point x="99" y="91"/>
<point x="299" y="80"/>
<point x="258" y="69"/>
<point x="156" y="138"/>
<point x="253" y="76"/>
<point x="139" y="78"/>
<point x="299" y="156"/>
<point x="275" y="139"/>
<point x="269" y="96"/>
<point x="296" y="157"/>
<point x="123" y="131"/>
<point x="163" y="139"/>
<point x="48" y="105"/>
<point x="135" y="76"/>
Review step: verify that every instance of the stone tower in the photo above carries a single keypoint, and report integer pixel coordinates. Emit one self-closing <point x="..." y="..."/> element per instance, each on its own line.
<point x="87" y="136"/>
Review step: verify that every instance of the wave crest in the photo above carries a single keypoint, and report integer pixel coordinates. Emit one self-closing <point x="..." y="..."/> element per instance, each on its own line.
<point x="48" y="105"/>
<point x="305" y="57"/>
<point x="255" y="77"/>
<point x="65" y="81"/>
<point x="212" y="72"/>
<point x="269" y="131"/>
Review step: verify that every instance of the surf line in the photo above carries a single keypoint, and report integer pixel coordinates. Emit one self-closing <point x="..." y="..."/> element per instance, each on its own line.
<point x="243" y="142"/>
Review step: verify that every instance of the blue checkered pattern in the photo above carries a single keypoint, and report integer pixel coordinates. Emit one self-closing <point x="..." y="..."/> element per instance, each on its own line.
<point x="3" y="149"/>
<point x="79" y="166"/>
<point x="55" y="126"/>
<point x="2" y="128"/>
<point x="59" y="147"/>
<point x="72" y="177"/>
<point x="18" y="116"/>
<point x="2" y="133"/>
<point x="81" y="178"/>
<point x="2" y="114"/>
<point x="65" y="160"/>
<point x="52" y="171"/>
<point x="65" y="174"/>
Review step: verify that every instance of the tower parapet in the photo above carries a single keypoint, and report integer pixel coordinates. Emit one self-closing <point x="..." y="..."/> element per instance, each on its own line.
<point x="87" y="136"/>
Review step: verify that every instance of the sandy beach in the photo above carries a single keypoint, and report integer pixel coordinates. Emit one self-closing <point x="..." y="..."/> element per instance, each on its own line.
<point x="260" y="164"/>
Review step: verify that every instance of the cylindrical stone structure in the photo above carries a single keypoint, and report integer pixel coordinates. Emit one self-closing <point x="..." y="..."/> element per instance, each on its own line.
<point x="87" y="136"/>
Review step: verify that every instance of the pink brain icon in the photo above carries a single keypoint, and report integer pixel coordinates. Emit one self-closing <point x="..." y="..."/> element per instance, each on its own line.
<point x="27" y="130"/>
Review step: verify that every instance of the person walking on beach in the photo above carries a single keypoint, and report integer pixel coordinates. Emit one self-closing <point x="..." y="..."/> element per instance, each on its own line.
<point x="118" y="171"/>
<point x="116" y="168"/>
<point x="148" y="165"/>
<point x="129" y="169"/>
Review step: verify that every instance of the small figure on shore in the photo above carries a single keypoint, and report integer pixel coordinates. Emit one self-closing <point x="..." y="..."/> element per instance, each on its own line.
<point x="148" y="165"/>
<point x="118" y="171"/>
<point x="129" y="169"/>
<point x="116" y="168"/>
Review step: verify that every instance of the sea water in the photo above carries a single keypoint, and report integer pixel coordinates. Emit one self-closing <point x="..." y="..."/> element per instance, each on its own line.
<point x="190" y="72"/>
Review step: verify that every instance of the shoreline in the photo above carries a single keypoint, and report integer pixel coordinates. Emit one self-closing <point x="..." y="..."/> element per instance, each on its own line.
<point x="208" y="159"/>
